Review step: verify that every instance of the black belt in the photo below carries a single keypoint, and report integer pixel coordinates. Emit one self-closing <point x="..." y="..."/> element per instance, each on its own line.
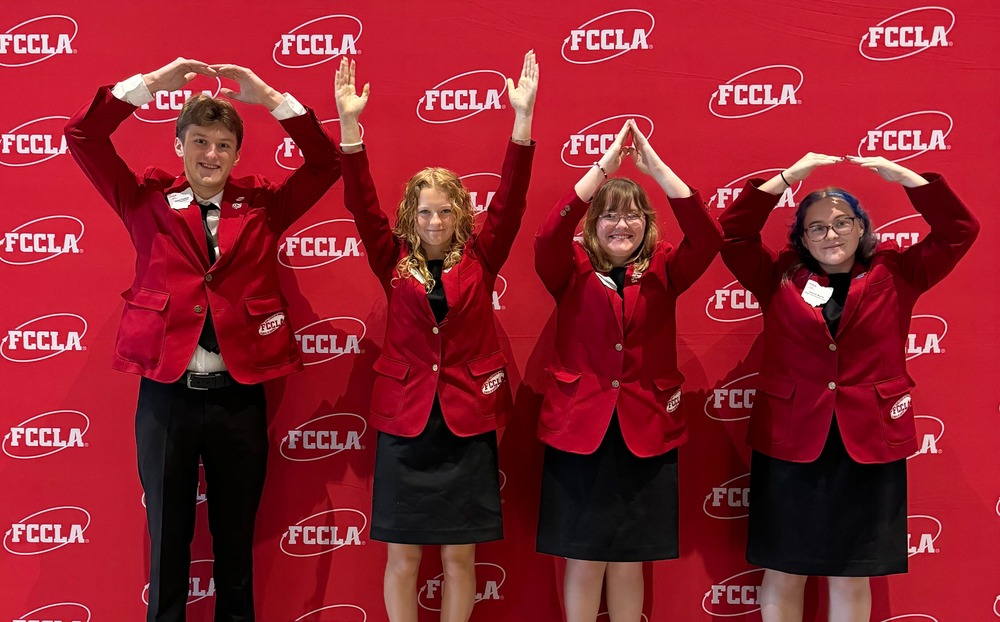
<point x="203" y="381"/>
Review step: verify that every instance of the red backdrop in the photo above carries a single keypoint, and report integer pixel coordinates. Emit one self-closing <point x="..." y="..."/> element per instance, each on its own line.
<point x="726" y="90"/>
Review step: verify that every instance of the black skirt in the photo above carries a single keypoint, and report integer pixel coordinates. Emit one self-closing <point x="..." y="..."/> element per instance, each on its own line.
<point x="436" y="488"/>
<point x="833" y="517"/>
<point x="609" y="505"/>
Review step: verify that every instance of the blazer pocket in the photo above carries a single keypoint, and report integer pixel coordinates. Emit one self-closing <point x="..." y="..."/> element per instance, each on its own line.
<point x="879" y="286"/>
<point x="774" y="407"/>
<point x="268" y="331"/>
<point x="561" y="389"/>
<point x="895" y="410"/>
<point x="390" y="387"/>
<point x="489" y="374"/>
<point x="143" y="327"/>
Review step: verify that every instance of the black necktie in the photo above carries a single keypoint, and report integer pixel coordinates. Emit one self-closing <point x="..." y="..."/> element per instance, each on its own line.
<point x="208" y="340"/>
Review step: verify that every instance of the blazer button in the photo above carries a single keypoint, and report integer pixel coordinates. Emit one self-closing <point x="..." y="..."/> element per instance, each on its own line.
<point x="198" y="309"/>
<point x="208" y="277"/>
<point x="435" y="330"/>
<point x="833" y="347"/>
<point x="831" y="386"/>
<point x="434" y="367"/>
<point x="618" y="347"/>
<point x="615" y="384"/>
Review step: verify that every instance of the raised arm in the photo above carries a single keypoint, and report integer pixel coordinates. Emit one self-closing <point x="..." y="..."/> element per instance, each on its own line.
<point x="381" y="245"/>
<point x="503" y="215"/>
<point x="702" y="233"/>
<point x="88" y="132"/>
<point x="554" y="255"/>
<point x="953" y="227"/>
<point x="752" y="262"/>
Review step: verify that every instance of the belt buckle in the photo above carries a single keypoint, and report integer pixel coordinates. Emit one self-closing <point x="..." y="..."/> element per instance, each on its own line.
<point x="196" y="375"/>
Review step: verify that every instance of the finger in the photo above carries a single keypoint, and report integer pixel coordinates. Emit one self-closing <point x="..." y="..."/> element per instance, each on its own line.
<point x="510" y="86"/>
<point x="351" y="72"/>
<point x="189" y="76"/>
<point x="364" y="92"/>
<point x="231" y="94"/>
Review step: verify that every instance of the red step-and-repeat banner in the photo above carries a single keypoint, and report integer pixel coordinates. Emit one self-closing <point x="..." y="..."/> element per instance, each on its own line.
<point x="726" y="91"/>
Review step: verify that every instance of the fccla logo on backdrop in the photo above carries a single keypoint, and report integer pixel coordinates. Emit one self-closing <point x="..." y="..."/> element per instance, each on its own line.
<point x="166" y="105"/>
<point x="323" y="437"/>
<point x="324" y="532"/>
<point x="41" y="239"/>
<point x="756" y="91"/>
<point x="33" y="142"/>
<point x="482" y="187"/>
<point x="905" y="231"/>
<point x="729" y="500"/>
<point x="609" y="36"/>
<point x="908" y="136"/>
<point x="317" y="41"/>
<point x="734" y="596"/>
<point x="587" y="144"/>
<point x="57" y="612"/>
<point x="37" y="39"/>
<point x="320" y="244"/>
<point x="288" y="155"/>
<point x="925" y="335"/>
<point x="201" y="583"/>
<point x="44" y="337"/>
<point x="46" y="434"/>
<point x="489" y="579"/>
<point x="929" y="432"/>
<point x="733" y="400"/>
<point x="330" y="338"/>
<point x="47" y="530"/>
<point x="335" y="613"/>
<point x="725" y="195"/>
<point x="908" y="33"/>
<point x="732" y="303"/>
<point x="912" y="617"/>
<point x="462" y="96"/>
<point x="922" y="533"/>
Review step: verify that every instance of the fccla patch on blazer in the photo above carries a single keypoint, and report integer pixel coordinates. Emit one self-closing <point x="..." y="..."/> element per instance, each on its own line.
<point x="900" y="407"/>
<point x="493" y="382"/>
<point x="674" y="401"/>
<point x="271" y="324"/>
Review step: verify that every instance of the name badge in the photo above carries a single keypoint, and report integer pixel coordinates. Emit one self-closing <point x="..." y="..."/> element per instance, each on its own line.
<point x="815" y="294"/>
<point x="180" y="200"/>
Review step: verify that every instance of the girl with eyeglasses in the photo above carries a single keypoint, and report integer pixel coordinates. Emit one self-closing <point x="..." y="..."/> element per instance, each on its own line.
<point x="612" y="415"/>
<point x="832" y="423"/>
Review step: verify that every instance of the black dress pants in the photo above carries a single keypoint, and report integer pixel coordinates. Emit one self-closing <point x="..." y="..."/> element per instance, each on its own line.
<point x="227" y="429"/>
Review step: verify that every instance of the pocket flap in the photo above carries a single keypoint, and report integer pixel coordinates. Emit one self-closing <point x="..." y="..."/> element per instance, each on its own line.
<point x="776" y="386"/>
<point x="262" y="305"/>
<point x="391" y="367"/>
<point x="564" y="375"/>
<point x="147" y="298"/>
<point x="485" y="364"/>
<point x="893" y="388"/>
<point x="670" y="382"/>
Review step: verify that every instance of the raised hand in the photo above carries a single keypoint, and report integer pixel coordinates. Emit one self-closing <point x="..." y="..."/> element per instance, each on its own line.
<point x="253" y="90"/>
<point x="176" y="74"/>
<point x="807" y="164"/>
<point x="645" y="158"/>
<point x="612" y="158"/>
<point x="522" y="97"/>
<point x="889" y="171"/>
<point x="349" y="103"/>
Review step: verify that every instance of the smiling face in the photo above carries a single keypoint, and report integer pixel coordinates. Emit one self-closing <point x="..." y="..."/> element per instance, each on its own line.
<point x="435" y="222"/>
<point x="620" y="233"/>
<point x="209" y="154"/>
<point x="842" y="231"/>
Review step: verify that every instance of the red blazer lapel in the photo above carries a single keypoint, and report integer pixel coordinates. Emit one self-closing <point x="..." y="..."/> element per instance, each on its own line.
<point x="191" y="224"/>
<point x="233" y="216"/>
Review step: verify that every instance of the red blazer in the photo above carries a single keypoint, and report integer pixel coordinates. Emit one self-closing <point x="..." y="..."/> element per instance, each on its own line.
<point x="460" y="360"/>
<point x="599" y="364"/>
<point x="806" y="376"/>
<point x="164" y="308"/>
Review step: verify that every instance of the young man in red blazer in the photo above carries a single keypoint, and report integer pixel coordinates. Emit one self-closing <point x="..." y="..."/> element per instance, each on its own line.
<point x="204" y="322"/>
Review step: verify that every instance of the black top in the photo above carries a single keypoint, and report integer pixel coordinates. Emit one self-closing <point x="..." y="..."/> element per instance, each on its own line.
<point x="439" y="304"/>
<point x="834" y="307"/>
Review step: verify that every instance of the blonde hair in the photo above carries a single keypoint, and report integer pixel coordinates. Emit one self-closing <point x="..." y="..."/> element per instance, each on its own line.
<point x="444" y="181"/>
<point x="617" y="195"/>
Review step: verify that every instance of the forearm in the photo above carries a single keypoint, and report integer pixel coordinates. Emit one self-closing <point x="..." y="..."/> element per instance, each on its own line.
<point x="350" y="134"/>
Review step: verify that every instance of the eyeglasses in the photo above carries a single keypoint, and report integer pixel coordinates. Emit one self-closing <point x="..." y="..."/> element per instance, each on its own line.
<point x="612" y="218"/>
<point x="841" y="226"/>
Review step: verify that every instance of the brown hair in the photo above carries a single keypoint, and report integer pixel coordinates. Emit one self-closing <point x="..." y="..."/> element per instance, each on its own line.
<point x="447" y="182"/>
<point x="617" y="195"/>
<point x="204" y="110"/>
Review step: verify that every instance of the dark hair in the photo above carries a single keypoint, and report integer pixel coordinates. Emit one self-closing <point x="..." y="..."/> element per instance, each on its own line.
<point x="867" y="243"/>
<point x="204" y="110"/>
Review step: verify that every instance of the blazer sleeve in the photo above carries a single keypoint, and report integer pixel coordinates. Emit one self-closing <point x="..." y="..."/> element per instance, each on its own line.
<point x="753" y="263"/>
<point x="319" y="170"/>
<point x="554" y="255"/>
<point x="701" y="243"/>
<point x="382" y="247"/>
<point x="88" y="138"/>
<point x="953" y="230"/>
<point x="504" y="213"/>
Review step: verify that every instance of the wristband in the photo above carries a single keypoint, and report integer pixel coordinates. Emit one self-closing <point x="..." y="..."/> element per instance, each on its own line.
<point x="357" y="144"/>
<point x="782" y="173"/>
<point x="601" y="168"/>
